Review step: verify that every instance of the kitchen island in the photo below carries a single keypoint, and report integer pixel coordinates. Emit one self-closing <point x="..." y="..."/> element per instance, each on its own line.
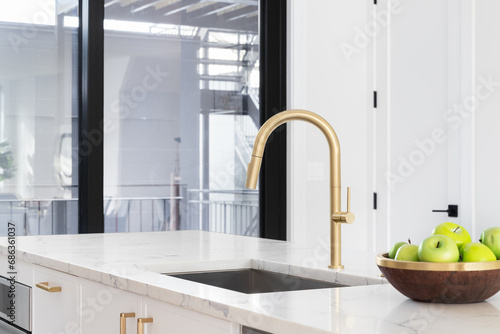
<point x="136" y="262"/>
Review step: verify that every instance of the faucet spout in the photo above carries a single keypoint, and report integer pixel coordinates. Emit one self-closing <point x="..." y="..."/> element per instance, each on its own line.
<point x="336" y="215"/>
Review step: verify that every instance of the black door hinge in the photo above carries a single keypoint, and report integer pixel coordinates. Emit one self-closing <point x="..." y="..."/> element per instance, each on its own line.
<point x="374" y="2"/>
<point x="375" y="99"/>
<point x="374" y="201"/>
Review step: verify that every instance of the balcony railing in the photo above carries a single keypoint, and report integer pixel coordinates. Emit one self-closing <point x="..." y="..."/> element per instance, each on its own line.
<point x="226" y="211"/>
<point x="234" y="212"/>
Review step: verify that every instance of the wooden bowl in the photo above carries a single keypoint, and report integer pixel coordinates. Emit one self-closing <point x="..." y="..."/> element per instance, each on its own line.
<point x="449" y="283"/>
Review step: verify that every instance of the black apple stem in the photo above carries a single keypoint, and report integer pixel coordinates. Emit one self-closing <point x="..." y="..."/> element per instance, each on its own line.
<point x="455" y="229"/>
<point x="409" y="241"/>
<point x="437" y="246"/>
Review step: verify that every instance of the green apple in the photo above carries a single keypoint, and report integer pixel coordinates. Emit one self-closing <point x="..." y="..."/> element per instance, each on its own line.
<point x="454" y="231"/>
<point x="438" y="248"/>
<point x="394" y="249"/>
<point x="461" y="250"/>
<point x="491" y="238"/>
<point x="476" y="252"/>
<point x="407" y="252"/>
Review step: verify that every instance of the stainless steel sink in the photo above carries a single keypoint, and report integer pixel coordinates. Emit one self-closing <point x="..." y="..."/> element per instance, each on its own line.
<point x="254" y="281"/>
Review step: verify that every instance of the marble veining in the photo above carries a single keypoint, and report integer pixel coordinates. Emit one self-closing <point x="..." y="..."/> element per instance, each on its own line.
<point x="135" y="262"/>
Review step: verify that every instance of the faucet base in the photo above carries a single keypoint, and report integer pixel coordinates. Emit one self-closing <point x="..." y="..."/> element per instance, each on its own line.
<point x="336" y="267"/>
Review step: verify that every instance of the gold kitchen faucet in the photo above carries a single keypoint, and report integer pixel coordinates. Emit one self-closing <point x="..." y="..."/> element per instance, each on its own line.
<point x="336" y="215"/>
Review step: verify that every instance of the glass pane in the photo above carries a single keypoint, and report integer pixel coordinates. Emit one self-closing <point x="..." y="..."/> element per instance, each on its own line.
<point x="181" y="98"/>
<point x="38" y="116"/>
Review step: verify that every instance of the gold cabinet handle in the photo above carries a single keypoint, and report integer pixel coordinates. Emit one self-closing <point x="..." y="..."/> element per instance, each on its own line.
<point x="140" y="324"/>
<point x="45" y="286"/>
<point x="123" y="321"/>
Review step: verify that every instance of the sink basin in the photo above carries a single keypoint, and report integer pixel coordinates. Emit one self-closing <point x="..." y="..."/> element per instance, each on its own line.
<point x="254" y="281"/>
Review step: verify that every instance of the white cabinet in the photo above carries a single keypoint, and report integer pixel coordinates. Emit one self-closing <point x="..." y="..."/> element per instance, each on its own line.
<point x="172" y="319"/>
<point x="102" y="307"/>
<point x="55" y="302"/>
<point x="23" y="271"/>
<point x="66" y="304"/>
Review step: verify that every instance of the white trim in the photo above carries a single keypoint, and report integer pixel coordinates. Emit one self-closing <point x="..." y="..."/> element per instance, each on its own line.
<point x="372" y="137"/>
<point x="382" y="125"/>
<point x="296" y="98"/>
<point x="468" y="82"/>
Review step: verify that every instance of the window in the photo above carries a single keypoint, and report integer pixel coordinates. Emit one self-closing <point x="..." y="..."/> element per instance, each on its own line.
<point x="181" y="102"/>
<point x="38" y="117"/>
<point x="143" y="123"/>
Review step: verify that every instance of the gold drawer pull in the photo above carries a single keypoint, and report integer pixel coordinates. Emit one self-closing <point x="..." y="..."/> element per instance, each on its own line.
<point x="140" y="324"/>
<point x="123" y="321"/>
<point x="45" y="286"/>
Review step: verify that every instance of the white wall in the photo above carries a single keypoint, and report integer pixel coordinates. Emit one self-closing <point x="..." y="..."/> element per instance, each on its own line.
<point x="418" y="76"/>
<point x="442" y="76"/>
<point x="487" y="116"/>
<point x="323" y="80"/>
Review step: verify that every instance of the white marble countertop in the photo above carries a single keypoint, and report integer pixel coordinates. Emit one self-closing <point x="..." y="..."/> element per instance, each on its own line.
<point x="135" y="261"/>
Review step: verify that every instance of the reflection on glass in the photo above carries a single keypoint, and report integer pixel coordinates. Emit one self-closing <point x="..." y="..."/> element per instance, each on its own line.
<point x="38" y="117"/>
<point x="181" y="102"/>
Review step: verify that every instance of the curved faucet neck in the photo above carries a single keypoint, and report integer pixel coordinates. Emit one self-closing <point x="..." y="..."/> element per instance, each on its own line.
<point x="294" y="115"/>
<point x="336" y="215"/>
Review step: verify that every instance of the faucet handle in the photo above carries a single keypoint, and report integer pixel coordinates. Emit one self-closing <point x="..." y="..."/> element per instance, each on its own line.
<point x="345" y="217"/>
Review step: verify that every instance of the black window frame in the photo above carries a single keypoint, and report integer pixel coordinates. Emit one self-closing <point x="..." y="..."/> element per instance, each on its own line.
<point x="273" y="79"/>
<point x="91" y="116"/>
<point x="272" y="184"/>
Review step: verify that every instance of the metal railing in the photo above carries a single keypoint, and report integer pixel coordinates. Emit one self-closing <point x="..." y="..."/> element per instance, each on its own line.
<point x="60" y="216"/>
<point x="226" y="211"/>
<point x="143" y="214"/>
<point x="39" y="216"/>
<point x="233" y="211"/>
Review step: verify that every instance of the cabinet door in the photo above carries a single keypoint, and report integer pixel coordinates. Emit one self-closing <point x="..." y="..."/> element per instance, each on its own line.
<point x="55" y="311"/>
<point x="172" y="319"/>
<point x="102" y="307"/>
<point x="23" y="270"/>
